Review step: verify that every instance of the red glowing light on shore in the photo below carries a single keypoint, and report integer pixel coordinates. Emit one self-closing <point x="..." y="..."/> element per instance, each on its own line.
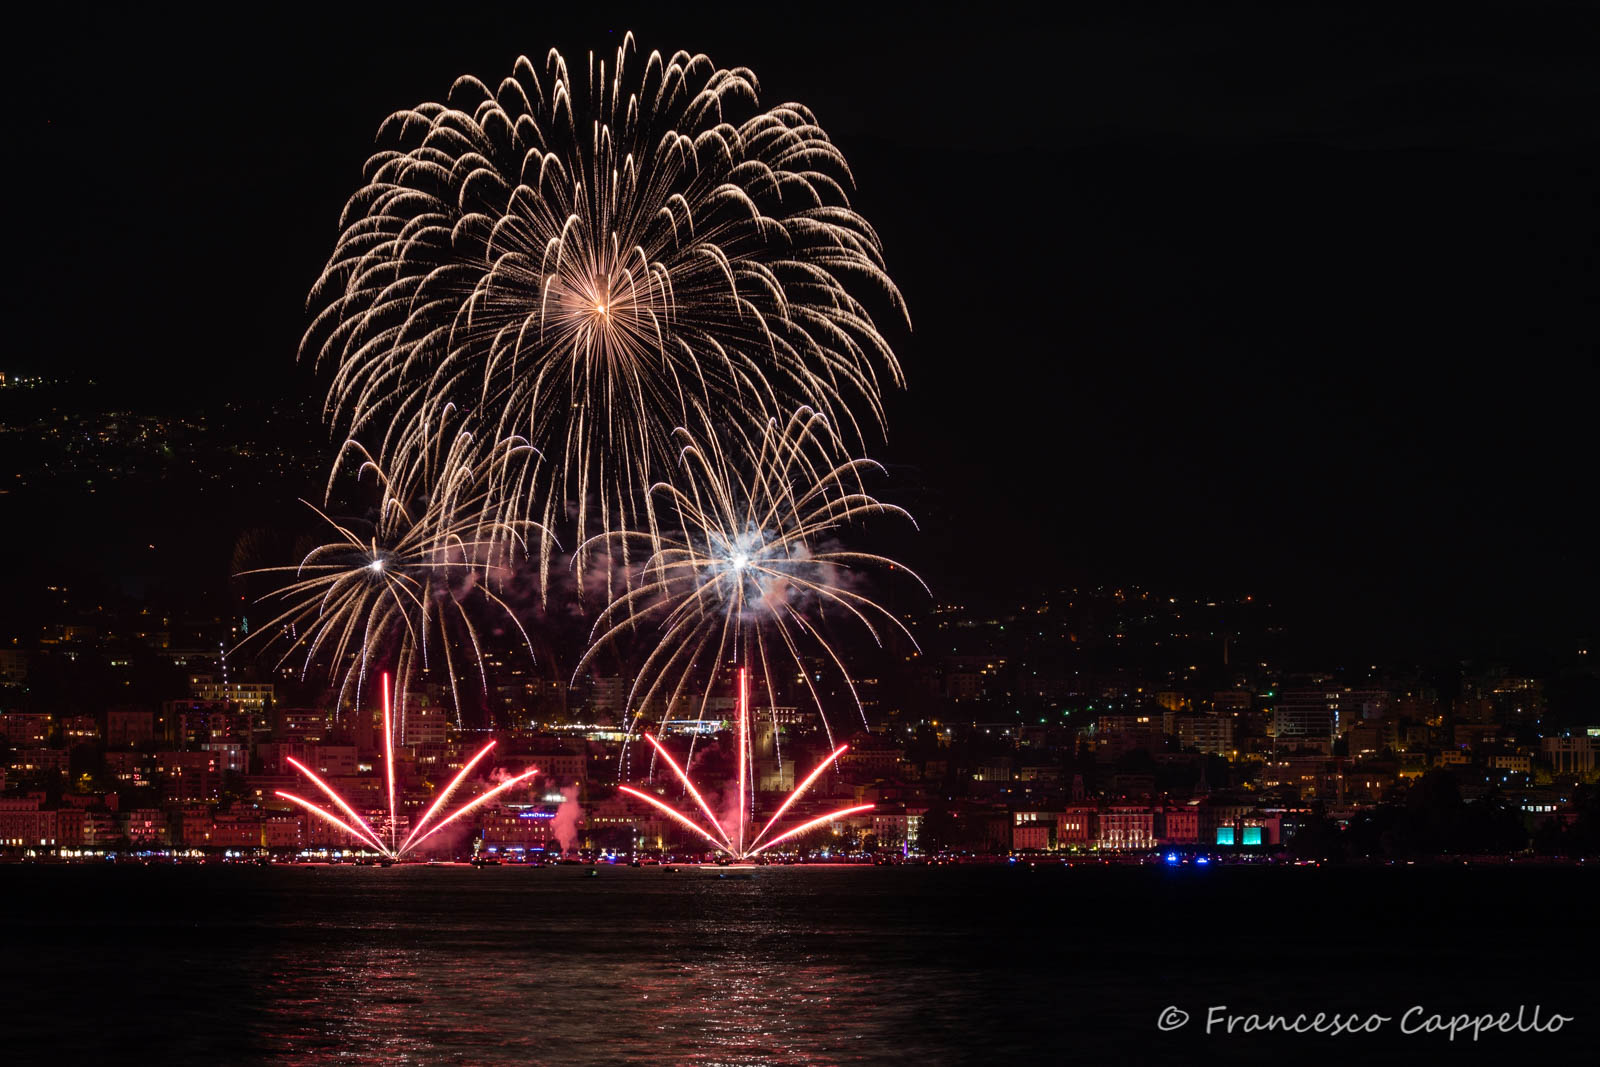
<point x="683" y="776"/>
<point x="800" y="789"/>
<point x="820" y="820"/>
<point x="744" y="741"/>
<point x="444" y="795"/>
<point x="676" y="814"/>
<point x="359" y="828"/>
<point x="388" y="754"/>
<point x="737" y="846"/>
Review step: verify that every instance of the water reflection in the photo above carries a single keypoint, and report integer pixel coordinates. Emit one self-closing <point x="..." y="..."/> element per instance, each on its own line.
<point x="529" y="969"/>
<point x="745" y="1009"/>
<point x="545" y="966"/>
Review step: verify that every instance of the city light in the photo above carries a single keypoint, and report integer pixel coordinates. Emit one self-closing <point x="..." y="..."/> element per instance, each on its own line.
<point x="735" y="841"/>
<point x="358" y="827"/>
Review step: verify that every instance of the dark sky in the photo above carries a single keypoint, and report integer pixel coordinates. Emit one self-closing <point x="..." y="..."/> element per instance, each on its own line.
<point x="1213" y="297"/>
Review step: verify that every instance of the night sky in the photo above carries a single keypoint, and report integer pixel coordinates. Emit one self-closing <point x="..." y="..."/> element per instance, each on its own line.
<point x="1205" y="298"/>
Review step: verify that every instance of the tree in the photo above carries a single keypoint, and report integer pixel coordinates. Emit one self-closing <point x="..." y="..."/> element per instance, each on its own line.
<point x="939" y="831"/>
<point x="1318" y="838"/>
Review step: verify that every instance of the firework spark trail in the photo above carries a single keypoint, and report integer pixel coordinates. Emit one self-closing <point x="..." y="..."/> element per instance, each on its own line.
<point x="744" y="747"/>
<point x="746" y="563"/>
<point x="361" y="829"/>
<point x="333" y="795"/>
<point x="735" y="845"/>
<point x="589" y="273"/>
<point x="476" y="803"/>
<point x="445" y="794"/>
<point x="585" y="265"/>
<point x="820" y="820"/>
<point x="683" y="777"/>
<point x="678" y="815"/>
<point x="388" y="756"/>
<point x="349" y="828"/>
<point x="428" y="562"/>
<point x="799" y="791"/>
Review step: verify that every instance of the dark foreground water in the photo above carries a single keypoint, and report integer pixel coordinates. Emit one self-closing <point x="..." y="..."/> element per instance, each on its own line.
<point x="208" y="965"/>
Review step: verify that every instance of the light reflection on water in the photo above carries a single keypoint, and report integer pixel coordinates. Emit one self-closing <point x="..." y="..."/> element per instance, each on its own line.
<point x="414" y="965"/>
<point x="646" y="967"/>
<point x="680" y="970"/>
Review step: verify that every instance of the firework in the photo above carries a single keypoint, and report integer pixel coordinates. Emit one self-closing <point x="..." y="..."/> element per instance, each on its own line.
<point x="735" y="840"/>
<point x="585" y="262"/>
<point x="407" y="582"/>
<point x="350" y="821"/>
<point x="742" y="564"/>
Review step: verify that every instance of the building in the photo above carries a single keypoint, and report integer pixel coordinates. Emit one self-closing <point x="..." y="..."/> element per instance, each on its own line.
<point x="127" y="727"/>
<point x="71" y="826"/>
<point x="24" y="825"/>
<point x="1127" y="826"/>
<point x="1569" y="755"/>
<point x="1180" y="825"/>
<point x="255" y="698"/>
<point x="896" y="827"/>
<point x="1117" y="735"/>
<point x="190" y="827"/>
<point x="1033" y="837"/>
<point x="13" y="665"/>
<point x="142" y="827"/>
<point x="231" y="756"/>
<point x="326" y="760"/>
<point x="1305" y="776"/>
<point x="280" y="831"/>
<point x="189" y="777"/>
<point x="1517" y="700"/>
<point x="1240" y="826"/>
<point x="303" y="725"/>
<point x="422" y="722"/>
<point x="1315" y="716"/>
<point x="606" y="696"/>
<point x="774" y="775"/>
<point x="1230" y="701"/>
<point x="193" y="723"/>
<point x="871" y="757"/>
<point x="36" y="763"/>
<point x="1078" y="826"/>
<point x="236" y="831"/>
<point x="80" y="730"/>
<point x="27" y="729"/>
<point x="527" y="828"/>
<point x="1212" y="734"/>
<point x="1304" y="717"/>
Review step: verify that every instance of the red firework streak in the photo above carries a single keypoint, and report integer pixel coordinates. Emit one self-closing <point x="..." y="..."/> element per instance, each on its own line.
<point x="353" y="824"/>
<point x="734" y="845"/>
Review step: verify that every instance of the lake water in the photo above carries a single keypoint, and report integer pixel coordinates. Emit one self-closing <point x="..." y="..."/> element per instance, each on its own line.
<point x="207" y="965"/>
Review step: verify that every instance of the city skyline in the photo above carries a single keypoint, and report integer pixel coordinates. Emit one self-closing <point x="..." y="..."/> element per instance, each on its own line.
<point x="800" y="535"/>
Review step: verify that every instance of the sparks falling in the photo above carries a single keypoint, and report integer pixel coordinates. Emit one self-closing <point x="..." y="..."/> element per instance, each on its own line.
<point x="743" y="562"/>
<point x="732" y="837"/>
<point x="391" y="846"/>
<point x="410" y="580"/>
<point x="585" y="261"/>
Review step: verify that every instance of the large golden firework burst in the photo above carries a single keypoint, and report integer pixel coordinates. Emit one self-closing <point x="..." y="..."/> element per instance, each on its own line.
<point x="585" y="266"/>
